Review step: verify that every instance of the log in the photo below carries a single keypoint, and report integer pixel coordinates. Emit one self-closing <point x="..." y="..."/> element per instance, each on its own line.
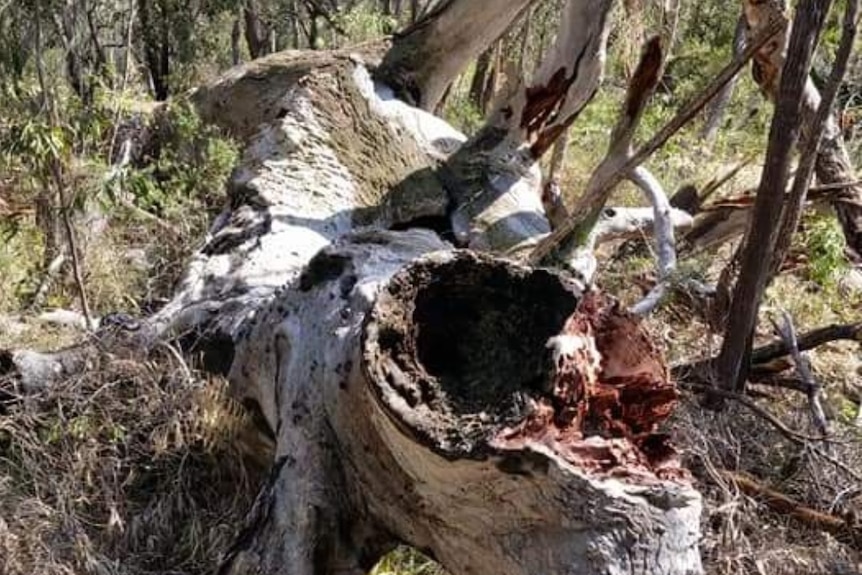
<point x="430" y="406"/>
<point x="408" y="385"/>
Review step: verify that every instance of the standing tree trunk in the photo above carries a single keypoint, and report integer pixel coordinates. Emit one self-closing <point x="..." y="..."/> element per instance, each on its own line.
<point x="715" y="113"/>
<point x="155" y="35"/>
<point x="256" y="30"/>
<point x="792" y="84"/>
<point x="833" y="163"/>
<point x="496" y="416"/>
<point x="479" y="85"/>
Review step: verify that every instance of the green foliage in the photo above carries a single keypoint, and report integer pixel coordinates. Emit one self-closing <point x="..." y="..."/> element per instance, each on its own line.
<point x="463" y="114"/>
<point x="365" y="22"/>
<point x="18" y="266"/>
<point x="188" y="171"/>
<point x="407" y="561"/>
<point x="824" y="243"/>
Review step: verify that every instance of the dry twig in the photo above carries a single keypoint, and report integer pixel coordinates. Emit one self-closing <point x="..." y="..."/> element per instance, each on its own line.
<point x="803" y="367"/>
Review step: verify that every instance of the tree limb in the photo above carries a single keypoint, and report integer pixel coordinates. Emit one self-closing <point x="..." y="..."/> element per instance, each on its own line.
<point x="664" y="238"/>
<point x="426" y="57"/>
<point x="597" y="193"/>
<point x="808" y="340"/>
<point x="803" y="367"/>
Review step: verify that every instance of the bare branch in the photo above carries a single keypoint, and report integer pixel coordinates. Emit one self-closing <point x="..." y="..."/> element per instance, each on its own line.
<point x="596" y="194"/>
<point x="803" y="367"/>
<point x="664" y="239"/>
<point x="809" y="340"/>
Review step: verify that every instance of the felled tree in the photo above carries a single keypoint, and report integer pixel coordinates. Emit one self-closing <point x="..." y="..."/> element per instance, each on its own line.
<point x="503" y="418"/>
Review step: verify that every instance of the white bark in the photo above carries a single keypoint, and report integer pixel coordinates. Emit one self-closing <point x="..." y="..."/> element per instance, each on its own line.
<point x="293" y="295"/>
<point x="430" y="54"/>
<point x="494" y="178"/>
<point x="665" y="246"/>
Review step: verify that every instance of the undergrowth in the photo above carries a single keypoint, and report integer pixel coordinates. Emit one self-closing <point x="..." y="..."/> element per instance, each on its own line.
<point x="129" y="468"/>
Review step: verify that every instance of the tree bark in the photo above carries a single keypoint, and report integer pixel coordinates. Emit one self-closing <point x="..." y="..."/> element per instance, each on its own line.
<point x="833" y="162"/>
<point x="731" y="365"/>
<point x="482" y="83"/>
<point x="494" y="178"/>
<point x="430" y="54"/>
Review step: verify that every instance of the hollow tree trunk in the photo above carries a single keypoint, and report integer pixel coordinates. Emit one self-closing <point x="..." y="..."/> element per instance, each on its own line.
<point x="833" y="164"/>
<point x="416" y="393"/>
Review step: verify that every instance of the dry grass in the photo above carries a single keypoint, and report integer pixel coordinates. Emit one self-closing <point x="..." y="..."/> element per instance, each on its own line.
<point x="130" y="469"/>
<point x="743" y="535"/>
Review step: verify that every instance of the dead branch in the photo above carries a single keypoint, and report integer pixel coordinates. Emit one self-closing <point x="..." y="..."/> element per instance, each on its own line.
<point x="614" y="223"/>
<point x="592" y="200"/>
<point x="664" y="239"/>
<point x="716" y="183"/>
<point x="775" y="351"/>
<point x="809" y="340"/>
<point x="843" y="527"/>
<point x="590" y="205"/>
<point x="803" y="367"/>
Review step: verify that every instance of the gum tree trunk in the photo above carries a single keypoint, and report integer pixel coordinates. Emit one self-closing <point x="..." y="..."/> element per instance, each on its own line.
<point x="500" y="418"/>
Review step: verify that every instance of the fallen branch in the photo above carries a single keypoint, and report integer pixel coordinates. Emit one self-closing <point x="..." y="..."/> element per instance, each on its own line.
<point x="803" y="367"/>
<point x="762" y="355"/>
<point x="844" y="528"/>
<point x="809" y="340"/>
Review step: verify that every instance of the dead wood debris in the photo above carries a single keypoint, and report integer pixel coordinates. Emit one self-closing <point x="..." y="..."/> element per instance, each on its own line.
<point x="610" y="391"/>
